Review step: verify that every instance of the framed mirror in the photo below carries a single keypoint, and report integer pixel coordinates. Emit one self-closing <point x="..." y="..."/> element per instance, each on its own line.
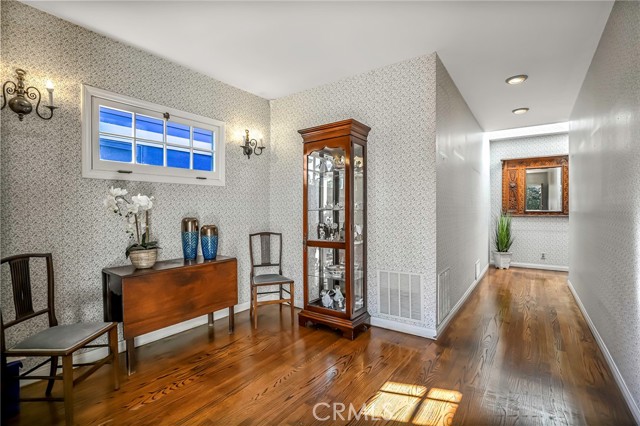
<point x="536" y="186"/>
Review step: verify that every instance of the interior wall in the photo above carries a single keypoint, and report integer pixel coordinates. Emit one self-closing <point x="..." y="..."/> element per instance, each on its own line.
<point x="533" y="235"/>
<point x="48" y="207"/>
<point x="605" y="200"/>
<point x="398" y="103"/>
<point x="462" y="194"/>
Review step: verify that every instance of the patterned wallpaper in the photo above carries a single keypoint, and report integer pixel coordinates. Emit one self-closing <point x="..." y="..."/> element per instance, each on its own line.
<point x="604" y="149"/>
<point x="48" y="206"/>
<point x="533" y="235"/>
<point x="398" y="103"/>
<point x="462" y="189"/>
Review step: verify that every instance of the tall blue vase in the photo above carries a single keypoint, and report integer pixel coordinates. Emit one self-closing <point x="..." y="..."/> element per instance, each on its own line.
<point x="209" y="238"/>
<point x="190" y="238"/>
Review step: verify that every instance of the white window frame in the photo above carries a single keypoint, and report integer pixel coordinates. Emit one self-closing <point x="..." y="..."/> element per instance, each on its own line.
<point x="93" y="167"/>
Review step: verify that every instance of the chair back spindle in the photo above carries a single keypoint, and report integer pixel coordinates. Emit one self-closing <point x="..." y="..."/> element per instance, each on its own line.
<point x="265" y="249"/>
<point x="21" y="284"/>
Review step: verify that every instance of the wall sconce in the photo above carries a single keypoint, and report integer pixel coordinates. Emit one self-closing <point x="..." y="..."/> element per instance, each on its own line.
<point x="19" y="103"/>
<point x="251" y="146"/>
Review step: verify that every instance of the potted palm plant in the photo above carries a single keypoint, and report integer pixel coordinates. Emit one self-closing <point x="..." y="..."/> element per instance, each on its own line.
<point x="502" y="242"/>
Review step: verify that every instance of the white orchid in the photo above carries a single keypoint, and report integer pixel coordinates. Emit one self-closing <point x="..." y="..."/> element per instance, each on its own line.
<point x="117" y="192"/>
<point x="135" y="212"/>
<point x="111" y="204"/>
<point x="143" y="202"/>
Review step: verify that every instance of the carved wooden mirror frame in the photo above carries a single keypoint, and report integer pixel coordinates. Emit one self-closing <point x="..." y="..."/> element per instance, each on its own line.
<point x="514" y="178"/>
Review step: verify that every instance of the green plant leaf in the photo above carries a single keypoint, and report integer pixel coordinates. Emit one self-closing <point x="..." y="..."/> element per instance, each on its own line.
<point x="143" y="246"/>
<point x="503" y="238"/>
<point x="128" y="251"/>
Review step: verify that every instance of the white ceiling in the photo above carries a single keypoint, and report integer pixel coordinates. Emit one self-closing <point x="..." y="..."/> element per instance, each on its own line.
<point x="274" y="49"/>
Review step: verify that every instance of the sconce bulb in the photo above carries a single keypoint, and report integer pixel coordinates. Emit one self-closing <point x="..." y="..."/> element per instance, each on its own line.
<point x="49" y="85"/>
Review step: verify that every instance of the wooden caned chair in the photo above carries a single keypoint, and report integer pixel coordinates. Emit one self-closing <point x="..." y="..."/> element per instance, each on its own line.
<point x="265" y="249"/>
<point x="57" y="340"/>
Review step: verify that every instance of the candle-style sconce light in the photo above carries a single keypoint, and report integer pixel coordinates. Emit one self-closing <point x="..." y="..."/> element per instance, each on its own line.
<point x="251" y="145"/>
<point x="20" y="103"/>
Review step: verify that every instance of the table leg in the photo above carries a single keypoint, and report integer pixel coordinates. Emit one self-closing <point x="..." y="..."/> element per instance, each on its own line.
<point x="131" y="357"/>
<point x="231" y="319"/>
<point x="210" y="319"/>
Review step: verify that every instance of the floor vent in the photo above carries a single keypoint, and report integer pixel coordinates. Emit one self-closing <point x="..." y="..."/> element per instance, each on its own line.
<point x="400" y="294"/>
<point x="444" y="299"/>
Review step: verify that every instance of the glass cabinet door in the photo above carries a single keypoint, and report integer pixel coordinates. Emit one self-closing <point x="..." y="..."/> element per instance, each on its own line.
<point x="326" y="278"/>
<point x="358" y="227"/>
<point x="326" y="195"/>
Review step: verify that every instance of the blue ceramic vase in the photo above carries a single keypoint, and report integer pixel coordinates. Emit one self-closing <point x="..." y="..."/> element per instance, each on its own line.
<point x="209" y="238"/>
<point x="190" y="238"/>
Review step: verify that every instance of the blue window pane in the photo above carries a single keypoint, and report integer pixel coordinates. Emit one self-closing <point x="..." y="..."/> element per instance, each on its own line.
<point x="149" y="154"/>
<point x="115" y="121"/>
<point x="203" y="161"/>
<point x="149" y="128"/>
<point x="115" y="149"/>
<point x="178" y="158"/>
<point x="202" y="139"/>
<point x="178" y="133"/>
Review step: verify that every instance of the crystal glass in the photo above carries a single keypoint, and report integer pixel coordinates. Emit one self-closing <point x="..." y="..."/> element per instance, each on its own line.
<point x="325" y="195"/>
<point x="326" y="278"/>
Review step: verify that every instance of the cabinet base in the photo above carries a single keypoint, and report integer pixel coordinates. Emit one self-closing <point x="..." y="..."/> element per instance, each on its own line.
<point x="349" y="328"/>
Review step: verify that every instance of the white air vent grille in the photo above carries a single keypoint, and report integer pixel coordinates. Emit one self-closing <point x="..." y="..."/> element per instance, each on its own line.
<point x="400" y="294"/>
<point x="444" y="298"/>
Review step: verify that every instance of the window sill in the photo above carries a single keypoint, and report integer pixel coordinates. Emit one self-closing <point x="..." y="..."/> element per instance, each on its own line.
<point x="141" y="177"/>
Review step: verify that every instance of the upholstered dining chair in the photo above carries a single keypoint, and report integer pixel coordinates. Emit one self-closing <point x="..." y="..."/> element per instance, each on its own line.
<point x="263" y="256"/>
<point x="57" y="340"/>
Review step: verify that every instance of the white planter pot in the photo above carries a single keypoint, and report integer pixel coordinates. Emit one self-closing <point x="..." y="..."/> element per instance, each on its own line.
<point x="143" y="259"/>
<point x="502" y="260"/>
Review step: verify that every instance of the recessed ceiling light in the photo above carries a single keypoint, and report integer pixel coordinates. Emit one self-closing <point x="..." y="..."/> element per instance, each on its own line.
<point x="519" y="111"/>
<point x="517" y="79"/>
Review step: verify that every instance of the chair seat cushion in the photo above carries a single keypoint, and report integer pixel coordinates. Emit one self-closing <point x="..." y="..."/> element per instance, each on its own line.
<point x="270" y="278"/>
<point x="62" y="337"/>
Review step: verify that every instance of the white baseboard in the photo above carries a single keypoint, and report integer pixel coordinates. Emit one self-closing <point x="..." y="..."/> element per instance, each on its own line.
<point x="97" y="354"/>
<point x="628" y="396"/>
<point x="538" y="266"/>
<point x="452" y="313"/>
<point x="403" y="328"/>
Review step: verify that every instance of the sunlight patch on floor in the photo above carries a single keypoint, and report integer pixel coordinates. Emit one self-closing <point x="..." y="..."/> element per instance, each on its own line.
<point x="410" y="403"/>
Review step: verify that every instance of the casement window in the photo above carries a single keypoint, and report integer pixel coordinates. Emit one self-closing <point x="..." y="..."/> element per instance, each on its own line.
<point x="129" y="139"/>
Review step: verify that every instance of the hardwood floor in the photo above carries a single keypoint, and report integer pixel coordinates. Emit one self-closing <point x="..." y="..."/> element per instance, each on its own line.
<point x="519" y="352"/>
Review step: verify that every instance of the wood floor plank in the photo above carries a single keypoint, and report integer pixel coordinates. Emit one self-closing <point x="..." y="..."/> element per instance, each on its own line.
<point x="518" y="352"/>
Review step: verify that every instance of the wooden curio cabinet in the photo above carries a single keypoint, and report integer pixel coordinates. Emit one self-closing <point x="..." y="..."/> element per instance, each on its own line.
<point x="335" y="226"/>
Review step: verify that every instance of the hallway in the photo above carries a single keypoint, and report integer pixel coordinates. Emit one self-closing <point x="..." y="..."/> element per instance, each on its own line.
<point x="519" y="352"/>
<point x="525" y="355"/>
